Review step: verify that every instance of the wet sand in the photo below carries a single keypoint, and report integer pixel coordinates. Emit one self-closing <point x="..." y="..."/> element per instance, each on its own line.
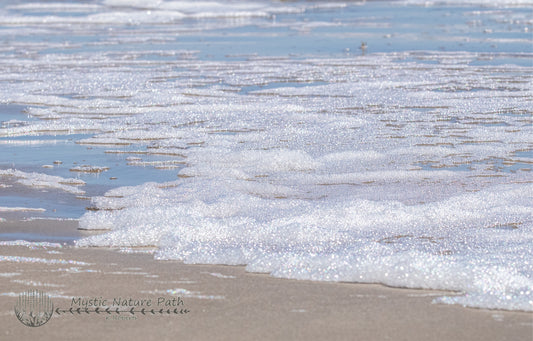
<point x="221" y="302"/>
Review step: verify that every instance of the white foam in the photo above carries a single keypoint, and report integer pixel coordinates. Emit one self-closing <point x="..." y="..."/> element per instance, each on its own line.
<point x="31" y="245"/>
<point x="9" y="274"/>
<point x="488" y="3"/>
<point x="219" y="275"/>
<point x="47" y="261"/>
<point x="144" y="12"/>
<point x="185" y="293"/>
<point x="74" y="270"/>
<point x="21" y="209"/>
<point x="270" y="191"/>
<point x="39" y="180"/>
<point x="89" y="169"/>
<point x="52" y="294"/>
<point x="36" y="283"/>
<point x="403" y="168"/>
<point x="51" y="6"/>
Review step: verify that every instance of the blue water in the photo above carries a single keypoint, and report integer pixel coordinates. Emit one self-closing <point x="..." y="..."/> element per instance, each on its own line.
<point x="318" y="32"/>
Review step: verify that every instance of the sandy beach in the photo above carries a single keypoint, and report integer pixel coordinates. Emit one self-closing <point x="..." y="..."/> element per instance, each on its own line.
<point x="266" y="170"/>
<point x="222" y="302"/>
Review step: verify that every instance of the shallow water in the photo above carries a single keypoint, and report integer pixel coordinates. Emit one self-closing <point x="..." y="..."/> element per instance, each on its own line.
<point x="61" y="155"/>
<point x="379" y="142"/>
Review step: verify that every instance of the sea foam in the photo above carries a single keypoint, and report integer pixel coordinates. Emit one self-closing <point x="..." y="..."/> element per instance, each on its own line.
<point x="407" y="168"/>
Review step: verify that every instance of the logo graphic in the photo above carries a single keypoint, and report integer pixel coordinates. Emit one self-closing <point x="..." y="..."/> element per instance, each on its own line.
<point x="34" y="308"/>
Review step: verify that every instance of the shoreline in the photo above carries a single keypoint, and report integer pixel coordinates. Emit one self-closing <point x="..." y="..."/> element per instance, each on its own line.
<point x="226" y="302"/>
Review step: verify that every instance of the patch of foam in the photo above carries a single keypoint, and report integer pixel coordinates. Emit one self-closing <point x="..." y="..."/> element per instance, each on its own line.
<point x="73" y="270"/>
<point x="54" y="252"/>
<point x="219" y="275"/>
<point x="185" y="293"/>
<point x="379" y="168"/>
<point x="31" y="142"/>
<point x="136" y="273"/>
<point x="21" y="209"/>
<point x="52" y="294"/>
<point x="488" y="3"/>
<point x="49" y="218"/>
<point x="36" y="283"/>
<point x="136" y="251"/>
<point x="144" y="12"/>
<point x="60" y="7"/>
<point x="10" y="274"/>
<point x="39" y="180"/>
<point x="263" y="185"/>
<point x="31" y="245"/>
<point x="47" y="261"/>
<point x="89" y="169"/>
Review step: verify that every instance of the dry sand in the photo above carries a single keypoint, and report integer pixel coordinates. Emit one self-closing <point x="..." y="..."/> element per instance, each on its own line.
<point x="225" y="302"/>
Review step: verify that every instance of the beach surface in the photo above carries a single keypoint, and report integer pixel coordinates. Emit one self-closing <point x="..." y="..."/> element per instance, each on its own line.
<point x="216" y="302"/>
<point x="306" y="147"/>
<point x="368" y="142"/>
